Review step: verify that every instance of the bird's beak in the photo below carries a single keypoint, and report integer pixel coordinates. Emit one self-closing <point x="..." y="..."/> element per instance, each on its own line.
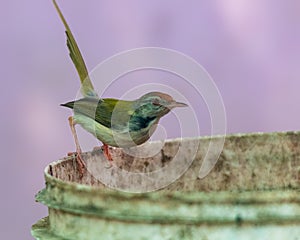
<point x="177" y="104"/>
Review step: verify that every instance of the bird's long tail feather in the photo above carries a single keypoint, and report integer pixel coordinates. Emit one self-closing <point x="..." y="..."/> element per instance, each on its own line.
<point x="87" y="88"/>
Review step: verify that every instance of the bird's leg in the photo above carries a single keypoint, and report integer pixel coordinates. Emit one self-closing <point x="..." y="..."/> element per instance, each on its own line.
<point x="105" y="149"/>
<point x="106" y="152"/>
<point x="79" y="159"/>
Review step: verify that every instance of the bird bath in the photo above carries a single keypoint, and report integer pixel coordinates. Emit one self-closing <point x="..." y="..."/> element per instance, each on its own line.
<point x="251" y="193"/>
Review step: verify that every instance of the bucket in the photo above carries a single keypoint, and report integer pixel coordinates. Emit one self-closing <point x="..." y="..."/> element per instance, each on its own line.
<point x="251" y="193"/>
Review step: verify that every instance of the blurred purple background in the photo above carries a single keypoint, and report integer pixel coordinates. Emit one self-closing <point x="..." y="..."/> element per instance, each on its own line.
<point x="251" y="48"/>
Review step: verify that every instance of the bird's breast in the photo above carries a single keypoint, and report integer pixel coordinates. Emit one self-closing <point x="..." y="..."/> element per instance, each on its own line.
<point x="137" y="123"/>
<point x="142" y="129"/>
<point x="137" y="131"/>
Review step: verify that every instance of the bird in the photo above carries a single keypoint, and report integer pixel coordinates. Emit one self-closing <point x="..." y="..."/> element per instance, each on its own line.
<point x="116" y="123"/>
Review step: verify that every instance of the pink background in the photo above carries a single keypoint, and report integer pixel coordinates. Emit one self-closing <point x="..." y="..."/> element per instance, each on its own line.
<point x="251" y="48"/>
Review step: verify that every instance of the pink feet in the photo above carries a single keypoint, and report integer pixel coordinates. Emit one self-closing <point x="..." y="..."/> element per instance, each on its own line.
<point x="81" y="164"/>
<point x="105" y="149"/>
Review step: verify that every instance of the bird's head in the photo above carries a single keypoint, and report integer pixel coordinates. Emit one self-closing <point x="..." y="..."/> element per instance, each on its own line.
<point x="156" y="104"/>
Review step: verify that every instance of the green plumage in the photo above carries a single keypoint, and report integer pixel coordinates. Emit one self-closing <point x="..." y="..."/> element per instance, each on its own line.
<point x="104" y="111"/>
<point x="115" y="122"/>
<point x="113" y="113"/>
<point x="87" y="88"/>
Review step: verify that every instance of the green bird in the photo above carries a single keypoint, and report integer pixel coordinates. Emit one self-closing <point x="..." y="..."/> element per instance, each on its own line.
<point x="114" y="122"/>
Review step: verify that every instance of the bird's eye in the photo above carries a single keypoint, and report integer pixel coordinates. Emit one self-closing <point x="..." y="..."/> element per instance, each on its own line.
<point x="155" y="102"/>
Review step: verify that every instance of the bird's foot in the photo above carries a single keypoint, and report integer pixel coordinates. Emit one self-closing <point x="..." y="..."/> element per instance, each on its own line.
<point x="105" y="149"/>
<point x="79" y="160"/>
<point x="81" y="164"/>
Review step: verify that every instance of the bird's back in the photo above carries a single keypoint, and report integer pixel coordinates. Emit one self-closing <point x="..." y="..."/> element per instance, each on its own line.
<point x="112" y="113"/>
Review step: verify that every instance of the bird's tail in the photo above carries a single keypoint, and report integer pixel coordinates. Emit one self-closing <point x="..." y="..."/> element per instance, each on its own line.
<point x="68" y="105"/>
<point x="87" y="88"/>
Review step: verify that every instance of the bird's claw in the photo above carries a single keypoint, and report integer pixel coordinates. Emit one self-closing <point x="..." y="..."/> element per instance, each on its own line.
<point x="105" y="149"/>
<point x="79" y="160"/>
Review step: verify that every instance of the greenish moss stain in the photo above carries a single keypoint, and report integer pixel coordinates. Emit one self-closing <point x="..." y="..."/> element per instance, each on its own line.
<point x="112" y="211"/>
<point x="40" y="231"/>
<point x="262" y="203"/>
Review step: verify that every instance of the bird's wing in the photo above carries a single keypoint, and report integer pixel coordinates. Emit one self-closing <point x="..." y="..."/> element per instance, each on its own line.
<point x="112" y="113"/>
<point x="87" y="88"/>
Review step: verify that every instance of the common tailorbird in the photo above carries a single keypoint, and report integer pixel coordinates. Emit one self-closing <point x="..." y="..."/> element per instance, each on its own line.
<point x="114" y="122"/>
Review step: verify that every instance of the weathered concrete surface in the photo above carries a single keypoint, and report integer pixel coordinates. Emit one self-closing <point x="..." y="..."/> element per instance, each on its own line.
<point x="252" y="193"/>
